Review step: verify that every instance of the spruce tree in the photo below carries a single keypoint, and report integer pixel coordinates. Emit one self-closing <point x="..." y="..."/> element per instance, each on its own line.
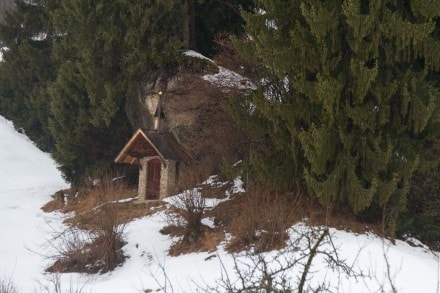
<point x="214" y="17"/>
<point x="88" y="121"/>
<point x="27" y="69"/>
<point x="154" y="39"/>
<point x="104" y="51"/>
<point x="348" y="92"/>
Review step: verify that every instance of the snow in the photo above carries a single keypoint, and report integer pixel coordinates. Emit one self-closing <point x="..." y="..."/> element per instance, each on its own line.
<point x="229" y="79"/>
<point x="195" y="54"/>
<point x="225" y="78"/>
<point x="23" y="165"/>
<point x="1" y="53"/>
<point x="28" y="177"/>
<point x="209" y="203"/>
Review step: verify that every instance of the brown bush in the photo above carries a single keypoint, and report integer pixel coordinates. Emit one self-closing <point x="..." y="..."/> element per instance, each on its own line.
<point x="194" y="174"/>
<point x="261" y="217"/>
<point x="90" y="251"/>
<point x="185" y="221"/>
<point x="94" y="239"/>
<point x="104" y="190"/>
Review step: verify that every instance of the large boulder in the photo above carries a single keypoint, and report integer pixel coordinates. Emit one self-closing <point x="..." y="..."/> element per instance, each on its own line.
<point x="192" y="98"/>
<point x="4" y="6"/>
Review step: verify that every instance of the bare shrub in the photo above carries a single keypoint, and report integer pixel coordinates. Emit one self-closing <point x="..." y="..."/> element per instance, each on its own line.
<point x="93" y="240"/>
<point x="258" y="272"/>
<point x="190" y="203"/>
<point x="193" y="207"/>
<point x="53" y="285"/>
<point x="386" y="281"/>
<point x="90" y="251"/>
<point x="7" y="285"/>
<point x="108" y="239"/>
<point x="189" y="208"/>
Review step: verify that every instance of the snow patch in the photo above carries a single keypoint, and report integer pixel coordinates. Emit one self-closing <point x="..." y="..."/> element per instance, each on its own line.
<point x="226" y="78"/>
<point x="191" y="53"/>
<point x="209" y="222"/>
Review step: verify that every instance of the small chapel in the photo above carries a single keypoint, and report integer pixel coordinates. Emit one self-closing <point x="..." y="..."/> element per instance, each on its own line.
<point x="160" y="157"/>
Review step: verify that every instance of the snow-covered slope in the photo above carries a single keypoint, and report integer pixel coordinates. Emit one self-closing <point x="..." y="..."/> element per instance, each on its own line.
<point x="22" y="164"/>
<point x="28" y="177"/>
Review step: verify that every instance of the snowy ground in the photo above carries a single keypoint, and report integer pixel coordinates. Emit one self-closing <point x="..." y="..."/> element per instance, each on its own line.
<point x="28" y="177"/>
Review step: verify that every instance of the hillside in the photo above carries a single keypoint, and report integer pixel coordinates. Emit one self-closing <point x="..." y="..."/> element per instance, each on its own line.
<point x="29" y="177"/>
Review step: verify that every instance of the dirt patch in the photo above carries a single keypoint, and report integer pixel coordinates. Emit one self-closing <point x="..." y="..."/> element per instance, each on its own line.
<point x="125" y="212"/>
<point x="87" y="204"/>
<point x="341" y="220"/>
<point x="208" y="242"/>
<point x="53" y="205"/>
<point x="215" y="191"/>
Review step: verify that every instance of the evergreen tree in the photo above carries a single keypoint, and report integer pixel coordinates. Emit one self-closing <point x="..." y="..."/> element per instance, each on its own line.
<point x="92" y="35"/>
<point x="213" y="17"/>
<point x="81" y="146"/>
<point x="26" y="69"/>
<point x="347" y="91"/>
<point x="105" y="50"/>
<point x="150" y="48"/>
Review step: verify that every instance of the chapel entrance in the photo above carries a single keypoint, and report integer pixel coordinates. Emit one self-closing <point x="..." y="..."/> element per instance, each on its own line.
<point x="153" y="179"/>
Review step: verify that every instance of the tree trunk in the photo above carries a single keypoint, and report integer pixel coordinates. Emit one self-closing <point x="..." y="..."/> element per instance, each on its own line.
<point x="190" y="26"/>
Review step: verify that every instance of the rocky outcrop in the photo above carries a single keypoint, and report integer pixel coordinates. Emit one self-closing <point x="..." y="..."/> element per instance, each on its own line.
<point x="4" y="6"/>
<point x="193" y="108"/>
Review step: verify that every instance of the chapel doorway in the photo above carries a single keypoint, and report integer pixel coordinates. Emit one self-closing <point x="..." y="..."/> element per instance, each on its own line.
<point x="153" y="179"/>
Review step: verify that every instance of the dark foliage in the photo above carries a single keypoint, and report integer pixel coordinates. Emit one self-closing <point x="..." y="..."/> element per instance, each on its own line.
<point x="346" y="102"/>
<point x="214" y="17"/>
<point x="422" y="216"/>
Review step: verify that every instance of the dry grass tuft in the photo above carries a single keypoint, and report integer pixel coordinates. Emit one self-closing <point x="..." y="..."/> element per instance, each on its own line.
<point x="208" y="241"/>
<point x="87" y="203"/>
<point x="106" y="190"/>
<point x="342" y="220"/>
<point x="260" y="218"/>
<point x="97" y="249"/>
<point x="7" y="285"/>
<point x="94" y="239"/>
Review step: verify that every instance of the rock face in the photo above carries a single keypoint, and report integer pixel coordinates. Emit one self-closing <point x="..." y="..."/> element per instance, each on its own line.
<point x="4" y="6"/>
<point x="193" y="111"/>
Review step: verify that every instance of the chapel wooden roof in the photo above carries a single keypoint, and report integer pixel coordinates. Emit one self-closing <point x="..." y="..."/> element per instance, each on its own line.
<point x="149" y="143"/>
